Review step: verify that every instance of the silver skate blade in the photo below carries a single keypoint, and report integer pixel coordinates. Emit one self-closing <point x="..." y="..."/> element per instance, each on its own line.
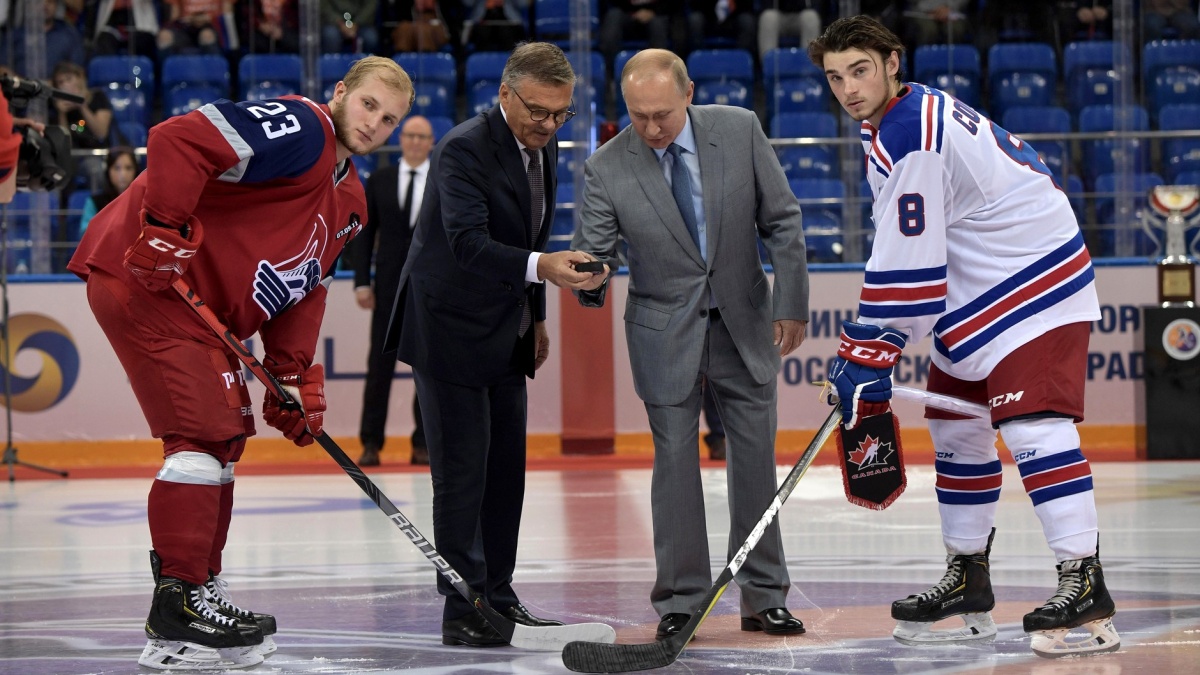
<point x="554" y="638"/>
<point x="978" y="627"/>
<point x="1100" y="638"/>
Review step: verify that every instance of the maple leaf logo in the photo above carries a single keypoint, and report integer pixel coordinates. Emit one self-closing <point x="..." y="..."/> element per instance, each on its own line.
<point x="871" y="452"/>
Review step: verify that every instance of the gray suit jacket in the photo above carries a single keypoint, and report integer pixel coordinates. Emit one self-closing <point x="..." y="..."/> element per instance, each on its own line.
<point x="745" y="194"/>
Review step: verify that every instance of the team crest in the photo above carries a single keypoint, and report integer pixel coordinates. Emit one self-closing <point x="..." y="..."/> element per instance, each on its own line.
<point x="872" y="461"/>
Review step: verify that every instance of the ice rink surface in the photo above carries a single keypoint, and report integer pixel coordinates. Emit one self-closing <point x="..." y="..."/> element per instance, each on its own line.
<point x="352" y="595"/>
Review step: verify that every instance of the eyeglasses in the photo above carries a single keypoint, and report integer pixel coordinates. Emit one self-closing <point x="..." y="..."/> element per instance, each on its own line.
<point x="417" y="137"/>
<point x="541" y="114"/>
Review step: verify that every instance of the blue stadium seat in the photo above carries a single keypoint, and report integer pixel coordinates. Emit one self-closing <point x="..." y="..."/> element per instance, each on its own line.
<point x="1021" y="57"/>
<point x="562" y="230"/>
<point x="187" y="98"/>
<point x="723" y="93"/>
<point x="191" y="70"/>
<point x="721" y="65"/>
<point x="483" y="96"/>
<point x="432" y="100"/>
<point x="1173" y="87"/>
<point x="263" y="76"/>
<point x="1088" y="72"/>
<point x="485" y="67"/>
<point x="806" y="161"/>
<point x="429" y="67"/>
<point x="1159" y="55"/>
<point x="365" y="165"/>
<point x="804" y="124"/>
<point x="441" y="127"/>
<point x="595" y="79"/>
<point x="821" y="202"/>
<point x="135" y="133"/>
<point x="1187" y="178"/>
<point x="799" y="94"/>
<point x="129" y="83"/>
<point x="331" y="68"/>
<point x="1043" y="120"/>
<point x="1106" y="186"/>
<point x="1074" y="190"/>
<point x="552" y="22"/>
<point x="1180" y="155"/>
<point x="74" y="214"/>
<point x="619" y="62"/>
<point x="786" y="63"/>
<point x="1021" y="89"/>
<point x="1101" y="156"/>
<point x="954" y="69"/>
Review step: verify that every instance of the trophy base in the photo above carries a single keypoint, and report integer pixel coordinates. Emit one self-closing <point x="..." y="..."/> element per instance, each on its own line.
<point x="1176" y="284"/>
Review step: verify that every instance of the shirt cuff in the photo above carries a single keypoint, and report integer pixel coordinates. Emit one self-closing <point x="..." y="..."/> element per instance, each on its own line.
<point x="531" y="276"/>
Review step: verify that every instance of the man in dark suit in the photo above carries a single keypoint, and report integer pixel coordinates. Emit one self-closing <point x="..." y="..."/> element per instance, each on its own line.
<point x="470" y="320"/>
<point x="393" y="202"/>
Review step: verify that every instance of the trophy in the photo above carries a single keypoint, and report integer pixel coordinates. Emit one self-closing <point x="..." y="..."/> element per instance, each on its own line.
<point x="1171" y="221"/>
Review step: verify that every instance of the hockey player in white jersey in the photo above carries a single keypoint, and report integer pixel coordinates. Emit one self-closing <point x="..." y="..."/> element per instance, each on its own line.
<point x="976" y="244"/>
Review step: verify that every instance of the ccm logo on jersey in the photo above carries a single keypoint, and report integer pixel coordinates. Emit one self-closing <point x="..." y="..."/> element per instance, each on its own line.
<point x="163" y="246"/>
<point x="1002" y="399"/>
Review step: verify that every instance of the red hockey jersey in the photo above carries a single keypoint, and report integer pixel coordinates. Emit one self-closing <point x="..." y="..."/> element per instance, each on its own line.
<point x="277" y="210"/>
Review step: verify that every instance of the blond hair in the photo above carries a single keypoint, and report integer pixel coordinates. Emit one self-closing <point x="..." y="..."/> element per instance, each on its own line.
<point x="388" y="71"/>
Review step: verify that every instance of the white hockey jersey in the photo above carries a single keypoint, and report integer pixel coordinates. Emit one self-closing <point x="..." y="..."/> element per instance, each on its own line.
<point x="974" y="241"/>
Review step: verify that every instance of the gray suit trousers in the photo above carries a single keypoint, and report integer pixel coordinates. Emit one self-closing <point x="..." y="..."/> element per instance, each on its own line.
<point x="680" y="531"/>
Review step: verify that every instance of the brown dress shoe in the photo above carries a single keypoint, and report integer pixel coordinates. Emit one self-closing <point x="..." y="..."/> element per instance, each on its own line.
<point x="420" y="455"/>
<point x="370" y="457"/>
<point x="774" y="621"/>
<point x="716" y="447"/>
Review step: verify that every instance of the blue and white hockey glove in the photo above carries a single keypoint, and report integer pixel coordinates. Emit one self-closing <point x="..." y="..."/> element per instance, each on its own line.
<point x="862" y="371"/>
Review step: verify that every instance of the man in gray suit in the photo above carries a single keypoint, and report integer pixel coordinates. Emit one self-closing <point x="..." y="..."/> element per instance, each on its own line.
<point x="689" y="188"/>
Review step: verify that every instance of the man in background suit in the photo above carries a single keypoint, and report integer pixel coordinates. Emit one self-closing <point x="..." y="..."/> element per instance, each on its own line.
<point x="689" y="187"/>
<point x="393" y="202"/>
<point x="470" y="320"/>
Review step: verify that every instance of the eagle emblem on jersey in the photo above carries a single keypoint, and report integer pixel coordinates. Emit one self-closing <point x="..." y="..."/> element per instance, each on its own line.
<point x="278" y="286"/>
<point x="872" y="461"/>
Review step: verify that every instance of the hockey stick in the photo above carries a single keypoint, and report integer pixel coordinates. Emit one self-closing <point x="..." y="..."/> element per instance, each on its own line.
<point x="940" y="401"/>
<point x="543" y="638"/>
<point x="589" y="657"/>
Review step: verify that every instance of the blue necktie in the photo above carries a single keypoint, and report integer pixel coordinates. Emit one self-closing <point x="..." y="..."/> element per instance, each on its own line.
<point x="681" y="189"/>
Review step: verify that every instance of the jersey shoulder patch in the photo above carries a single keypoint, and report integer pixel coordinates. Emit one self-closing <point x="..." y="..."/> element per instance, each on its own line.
<point x="913" y="124"/>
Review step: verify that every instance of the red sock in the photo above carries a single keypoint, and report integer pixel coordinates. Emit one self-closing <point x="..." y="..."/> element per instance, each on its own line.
<point x="222" y="534"/>
<point x="183" y="524"/>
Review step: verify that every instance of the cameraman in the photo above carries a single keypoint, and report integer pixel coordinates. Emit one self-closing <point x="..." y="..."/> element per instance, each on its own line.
<point x="10" y="149"/>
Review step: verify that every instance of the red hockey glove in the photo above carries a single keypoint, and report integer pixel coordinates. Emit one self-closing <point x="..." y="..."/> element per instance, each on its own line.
<point x="307" y="389"/>
<point x="161" y="254"/>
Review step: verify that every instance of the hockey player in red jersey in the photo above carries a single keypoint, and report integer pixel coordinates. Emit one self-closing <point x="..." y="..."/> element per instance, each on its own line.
<point x="976" y="244"/>
<point x="251" y="203"/>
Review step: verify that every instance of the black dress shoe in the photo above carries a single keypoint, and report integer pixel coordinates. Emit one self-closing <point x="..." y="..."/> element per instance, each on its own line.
<point x="370" y="457"/>
<point x="716" y="447"/>
<point x="670" y="625"/>
<point x="774" y="621"/>
<point x="518" y="614"/>
<point x="471" y="630"/>
<point x="420" y="455"/>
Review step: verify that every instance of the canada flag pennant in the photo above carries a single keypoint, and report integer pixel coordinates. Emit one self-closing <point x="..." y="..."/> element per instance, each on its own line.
<point x="872" y="461"/>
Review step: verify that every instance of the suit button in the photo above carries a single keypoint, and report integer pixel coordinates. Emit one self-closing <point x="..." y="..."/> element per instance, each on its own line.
<point x="507" y="286"/>
<point x="704" y="314"/>
<point x="710" y="273"/>
<point x="520" y="303"/>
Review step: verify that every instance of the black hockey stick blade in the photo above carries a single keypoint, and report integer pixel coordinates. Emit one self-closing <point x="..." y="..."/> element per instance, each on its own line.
<point x="584" y="657"/>
<point x="543" y="638"/>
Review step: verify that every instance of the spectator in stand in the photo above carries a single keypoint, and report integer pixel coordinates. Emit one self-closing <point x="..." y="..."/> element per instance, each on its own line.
<point x="121" y="168"/>
<point x="733" y="19"/>
<point x="89" y="124"/>
<point x="650" y="20"/>
<point x="494" y="25"/>
<point x="798" y="18"/>
<point x="349" y="26"/>
<point x="269" y="26"/>
<point x="193" y="27"/>
<point x="420" y="26"/>
<point x="123" y="27"/>
<point x="1160" y="15"/>
<point x="63" y="41"/>
<point x="1090" y="20"/>
<point x="930" y="22"/>
<point x="1016" y="21"/>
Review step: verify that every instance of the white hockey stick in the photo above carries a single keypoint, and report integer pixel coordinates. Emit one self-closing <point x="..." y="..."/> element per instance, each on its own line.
<point x="940" y="401"/>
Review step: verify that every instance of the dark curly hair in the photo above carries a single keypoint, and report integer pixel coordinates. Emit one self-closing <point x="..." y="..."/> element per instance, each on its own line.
<point x="857" y="32"/>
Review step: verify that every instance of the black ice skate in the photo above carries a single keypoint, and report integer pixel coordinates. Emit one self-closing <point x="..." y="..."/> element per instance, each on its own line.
<point x="186" y="633"/>
<point x="1082" y="601"/>
<point x="216" y="591"/>
<point x="965" y="590"/>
